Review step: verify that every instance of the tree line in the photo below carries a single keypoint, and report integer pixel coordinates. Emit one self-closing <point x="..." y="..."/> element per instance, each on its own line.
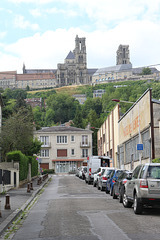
<point x="59" y="107"/>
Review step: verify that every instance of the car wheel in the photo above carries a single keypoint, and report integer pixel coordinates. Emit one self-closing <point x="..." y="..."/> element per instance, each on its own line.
<point x="107" y="191"/>
<point x="137" y="206"/>
<point x="102" y="188"/>
<point x="120" y="196"/>
<point x="126" y="203"/>
<point x="111" y="191"/>
<point x="114" y="195"/>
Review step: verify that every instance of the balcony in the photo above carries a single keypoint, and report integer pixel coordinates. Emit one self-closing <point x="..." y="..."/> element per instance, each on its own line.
<point x="85" y="144"/>
<point x="46" y="145"/>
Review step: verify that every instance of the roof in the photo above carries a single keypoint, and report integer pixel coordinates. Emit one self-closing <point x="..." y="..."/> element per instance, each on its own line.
<point x="91" y="71"/>
<point x="62" y="129"/>
<point x="139" y="70"/>
<point x="27" y="71"/>
<point x="117" y="68"/>
<point x="70" y="55"/>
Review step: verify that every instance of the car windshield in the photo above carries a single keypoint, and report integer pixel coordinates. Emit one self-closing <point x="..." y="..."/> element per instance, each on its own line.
<point x="108" y="173"/>
<point x="153" y="172"/>
<point x="119" y="172"/>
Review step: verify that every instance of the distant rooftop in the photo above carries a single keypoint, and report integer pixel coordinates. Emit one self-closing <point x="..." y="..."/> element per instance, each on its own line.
<point x="62" y="129"/>
<point x="116" y="68"/>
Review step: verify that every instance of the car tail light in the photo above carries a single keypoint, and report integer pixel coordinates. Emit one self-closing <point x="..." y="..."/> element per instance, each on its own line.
<point x="124" y="181"/>
<point x="89" y="171"/>
<point x="104" y="178"/>
<point x="152" y="199"/>
<point x="143" y="184"/>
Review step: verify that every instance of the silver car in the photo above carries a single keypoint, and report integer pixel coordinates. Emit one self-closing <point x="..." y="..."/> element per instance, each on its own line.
<point x="143" y="187"/>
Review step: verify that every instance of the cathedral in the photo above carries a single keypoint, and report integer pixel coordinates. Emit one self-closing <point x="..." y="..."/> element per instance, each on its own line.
<point x="74" y="69"/>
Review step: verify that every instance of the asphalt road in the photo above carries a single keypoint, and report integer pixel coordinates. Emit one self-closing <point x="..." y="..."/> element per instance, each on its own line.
<point x="69" y="209"/>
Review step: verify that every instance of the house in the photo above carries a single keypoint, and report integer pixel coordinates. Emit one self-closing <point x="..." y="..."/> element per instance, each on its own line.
<point x="64" y="148"/>
<point x="98" y="93"/>
<point x="80" y="97"/>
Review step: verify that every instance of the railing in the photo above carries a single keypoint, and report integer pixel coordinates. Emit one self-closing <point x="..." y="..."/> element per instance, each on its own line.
<point x="83" y="144"/>
<point x="46" y="145"/>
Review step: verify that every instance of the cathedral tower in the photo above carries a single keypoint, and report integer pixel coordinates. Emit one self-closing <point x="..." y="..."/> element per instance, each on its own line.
<point x="123" y="55"/>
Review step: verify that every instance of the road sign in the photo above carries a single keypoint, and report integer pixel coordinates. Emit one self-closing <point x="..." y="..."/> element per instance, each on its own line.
<point x="139" y="147"/>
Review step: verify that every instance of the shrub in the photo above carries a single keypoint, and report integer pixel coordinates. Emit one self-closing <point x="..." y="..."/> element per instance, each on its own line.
<point x="49" y="171"/>
<point x="18" y="156"/>
<point x="156" y="160"/>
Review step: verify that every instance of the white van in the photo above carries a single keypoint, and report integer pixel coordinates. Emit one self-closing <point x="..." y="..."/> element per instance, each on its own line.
<point x="93" y="163"/>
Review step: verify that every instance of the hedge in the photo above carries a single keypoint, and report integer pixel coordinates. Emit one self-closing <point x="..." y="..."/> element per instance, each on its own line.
<point x="18" y="156"/>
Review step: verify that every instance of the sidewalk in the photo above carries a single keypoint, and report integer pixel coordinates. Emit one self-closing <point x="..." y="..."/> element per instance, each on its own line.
<point x="19" y="200"/>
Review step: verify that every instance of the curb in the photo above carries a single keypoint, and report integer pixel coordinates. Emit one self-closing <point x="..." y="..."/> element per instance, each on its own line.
<point x="8" y="221"/>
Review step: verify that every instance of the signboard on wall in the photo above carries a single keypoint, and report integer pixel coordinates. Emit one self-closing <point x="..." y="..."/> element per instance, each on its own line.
<point x="136" y="119"/>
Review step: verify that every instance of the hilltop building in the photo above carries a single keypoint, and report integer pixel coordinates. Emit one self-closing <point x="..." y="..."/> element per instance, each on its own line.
<point x="123" y="69"/>
<point x="74" y="69"/>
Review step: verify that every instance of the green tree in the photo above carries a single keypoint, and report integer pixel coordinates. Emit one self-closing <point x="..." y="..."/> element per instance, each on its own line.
<point x="146" y="71"/>
<point x="63" y="106"/>
<point x="17" y="133"/>
<point x="78" y="120"/>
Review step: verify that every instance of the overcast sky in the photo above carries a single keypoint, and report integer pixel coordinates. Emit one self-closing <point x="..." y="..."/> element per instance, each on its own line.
<point x="40" y="33"/>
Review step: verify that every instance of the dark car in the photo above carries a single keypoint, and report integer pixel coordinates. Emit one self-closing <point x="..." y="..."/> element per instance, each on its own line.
<point x="118" y="187"/>
<point x="110" y="182"/>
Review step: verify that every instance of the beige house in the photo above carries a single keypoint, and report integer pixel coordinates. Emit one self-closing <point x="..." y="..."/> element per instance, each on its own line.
<point x="135" y="137"/>
<point x="64" y="148"/>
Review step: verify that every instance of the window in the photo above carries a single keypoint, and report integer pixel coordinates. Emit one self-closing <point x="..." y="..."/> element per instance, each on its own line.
<point x="61" y="152"/>
<point x="84" y="152"/>
<point x="44" y="140"/>
<point x="136" y="172"/>
<point x="44" y="153"/>
<point x="84" y="139"/>
<point x="72" y="152"/>
<point x="72" y="139"/>
<point x="61" y="139"/>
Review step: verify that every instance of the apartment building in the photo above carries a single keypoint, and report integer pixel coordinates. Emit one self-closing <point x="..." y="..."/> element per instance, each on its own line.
<point x="64" y="148"/>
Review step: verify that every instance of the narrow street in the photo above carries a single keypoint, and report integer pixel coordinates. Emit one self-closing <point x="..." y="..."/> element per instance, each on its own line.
<point x="69" y="209"/>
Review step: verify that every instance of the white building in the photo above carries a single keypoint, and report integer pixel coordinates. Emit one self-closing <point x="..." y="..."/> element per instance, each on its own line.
<point x="64" y="148"/>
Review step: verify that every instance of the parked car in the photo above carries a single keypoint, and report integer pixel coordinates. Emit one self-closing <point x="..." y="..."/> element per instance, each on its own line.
<point x="110" y="181"/>
<point x="84" y="170"/>
<point x="97" y="174"/>
<point x="93" y="164"/>
<point x="81" y="171"/>
<point x="103" y="178"/>
<point x="118" y="187"/>
<point x="143" y="187"/>
<point x="77" y="172"/>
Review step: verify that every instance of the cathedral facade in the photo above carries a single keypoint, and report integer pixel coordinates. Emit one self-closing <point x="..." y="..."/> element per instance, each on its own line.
<point x="74" y="70"/>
